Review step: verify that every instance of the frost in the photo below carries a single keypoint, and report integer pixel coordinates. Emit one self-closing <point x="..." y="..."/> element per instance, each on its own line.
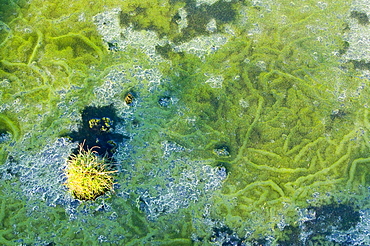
<point x="211" y="26"/>
<point x="198" y="179"/>
<point x="360" y="235"/>
<point x="182" y="22"/>
<point x="208" y="2"/>
<point x="113" y="85"/>
<point x="203" y="45"/>
<point x="359" y="35"/>
<point x="361" y="5"/>
<point x="215" y="81"/>
<point x="107" y="22"/>
<point x="146" y="41"/>
<point x="119" y="79"/>
<point x="359" y="40"/>
<point x="5" y="137"/>
<point x="244" y="103"/>
<point x="171" y="147"/>
<point x="121" y="38"/>
<point x="41" y="175"/>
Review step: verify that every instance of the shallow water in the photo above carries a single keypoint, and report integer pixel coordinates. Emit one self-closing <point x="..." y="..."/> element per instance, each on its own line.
<point x="230" y="122"/>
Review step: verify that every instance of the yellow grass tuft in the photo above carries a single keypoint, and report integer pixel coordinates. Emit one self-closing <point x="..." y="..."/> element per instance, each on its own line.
<point x="87" y="175"/>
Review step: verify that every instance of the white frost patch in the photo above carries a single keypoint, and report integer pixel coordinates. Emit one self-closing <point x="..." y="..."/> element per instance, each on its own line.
<point x="197" y="180"/>
<point x="119" y="79"/>
<point x="112" y="88"/>
<point x="359" y="35"/>
<point x="108" y="26"/>
<point x="215" y="81"/>
<point x="359" y="235"/>
<point x="359" y="40"/>
<point x="244" y="103"/>
<point x="361" y="6"/>
<point x="182" y="22"/>
<point x="211" y="26"/>
<point x="41" y="175"/>
<point x="203" y="45"/>
<point x="208" y="2"/>
<point x="107" y="22"/>
<point x="118" y="37"/>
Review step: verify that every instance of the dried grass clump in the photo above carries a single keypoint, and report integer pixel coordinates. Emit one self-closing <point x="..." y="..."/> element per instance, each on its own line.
<point x="87" y="175"/>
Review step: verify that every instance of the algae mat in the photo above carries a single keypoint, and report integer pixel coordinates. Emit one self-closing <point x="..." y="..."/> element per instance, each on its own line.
<point x="239" y="122"/>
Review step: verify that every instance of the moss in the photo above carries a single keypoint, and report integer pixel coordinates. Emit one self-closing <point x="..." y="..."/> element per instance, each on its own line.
<point x="12" y="212"/>
<point x="8" y="125"/>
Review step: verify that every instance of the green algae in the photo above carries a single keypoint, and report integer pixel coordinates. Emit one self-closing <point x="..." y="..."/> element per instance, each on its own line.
<point x="47" y="63"/>
<point x="155" y="15"/>
<point x="273" y="108"/>
<point x="275" y="114"/>
<point x="41" y="58"/>
<point x="7" y="126"/>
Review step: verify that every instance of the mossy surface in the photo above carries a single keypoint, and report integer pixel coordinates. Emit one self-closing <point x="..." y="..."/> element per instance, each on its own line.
<point x="233" y="136"/>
